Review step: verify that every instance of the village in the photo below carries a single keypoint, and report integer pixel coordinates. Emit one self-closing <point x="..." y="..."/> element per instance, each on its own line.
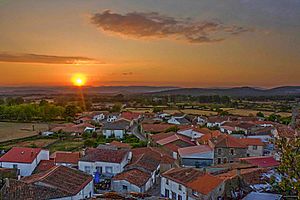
<point x="150" y="155"/>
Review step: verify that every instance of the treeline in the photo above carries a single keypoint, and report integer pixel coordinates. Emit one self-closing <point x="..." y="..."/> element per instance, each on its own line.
<point x="16" y="110"/>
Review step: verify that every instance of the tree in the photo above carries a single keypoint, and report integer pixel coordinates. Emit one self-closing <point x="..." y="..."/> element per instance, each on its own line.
<point x="172" y="129"/>
<point x="260" y="114"/>
<point x="116" y="108"/>
<point x="289" y="168"/>
<point x="158" y="109"/>
<point x="70" y="111"/>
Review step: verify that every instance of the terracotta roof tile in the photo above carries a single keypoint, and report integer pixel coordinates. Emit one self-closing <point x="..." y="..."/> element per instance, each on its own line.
<point x="21" y="155"/>
<point x="252" y="141"/>
<point x="134" y="176"/>
<point x="205" y="184"/>
<point x="263" y="161"/>
<point x="104" y="155"/>
<point x="66" y="157"/>
<point x="194" y="149"/>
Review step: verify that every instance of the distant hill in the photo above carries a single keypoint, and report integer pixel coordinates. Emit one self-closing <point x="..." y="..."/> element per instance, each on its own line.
<point x="237" y="91"/>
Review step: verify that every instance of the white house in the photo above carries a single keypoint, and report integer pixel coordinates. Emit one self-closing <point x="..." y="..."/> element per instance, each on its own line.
<point x="23" y="159"/>
<point x="133" y="180"/>
<point x="106" y="162"/>
<point x="179" y="120"/>
<point x="116" y="129"/>
<point x="216" y="121"/>
<point x="112" y="117"/>
<point x="190" y="184"/>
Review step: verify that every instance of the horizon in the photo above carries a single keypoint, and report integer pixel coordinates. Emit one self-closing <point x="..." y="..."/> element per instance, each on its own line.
<point x="120" y="42"/>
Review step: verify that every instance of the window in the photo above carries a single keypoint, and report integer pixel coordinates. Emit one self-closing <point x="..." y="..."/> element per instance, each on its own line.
<point x="225" y="160"/>
<point x="254" y="147"/>
<point x="219" y="151"/>
<point x="179" y="187"/>
<point x="167" y="181"/>
<point x="232" y="152"/>
<point x="179" y="197"/>
<point x="125" y="188"/>
<point x="15" y="166"/>
<point x="174" y="196"/>
<point x="167" y="193"/>
<point x="87" y="169"/>
<point x="99" y="170"/>
<point x="108" y="169"/>
<point x="219" y="160"/>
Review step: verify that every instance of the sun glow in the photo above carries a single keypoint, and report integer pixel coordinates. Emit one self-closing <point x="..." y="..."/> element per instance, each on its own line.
<point x="78" y="80"/>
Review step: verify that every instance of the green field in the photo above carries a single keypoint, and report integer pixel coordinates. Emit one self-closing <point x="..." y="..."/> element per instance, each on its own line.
<point x="10" y="130"/>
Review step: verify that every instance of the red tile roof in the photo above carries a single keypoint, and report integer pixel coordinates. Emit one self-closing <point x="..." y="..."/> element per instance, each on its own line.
<point x="21" y="155"/>
<point x="263" y="161"/>
<point x="156" y="152"/>
<point x="105" y="155"/>
<point x="130" y="115"/>
<point x="65" y="179"/>
<point x="145" y="161"/>
<point x="205" y="183"/>
<point x="120" y="144"/>
<point x="285" y="131"/>
<point x="205" y="138"/>
<point x="66" y="157"/>
<point x="160" y="136"/>
<point x="134" y="176"/>
<point x="156" y="127"/>
<point x="174" y="138"/>
<point x="194" y="149"/>
<point x="227" y="141"/>
<point x="183" y="175"/>
<point x="252" y="141"/>
<point x="44" y="165"/>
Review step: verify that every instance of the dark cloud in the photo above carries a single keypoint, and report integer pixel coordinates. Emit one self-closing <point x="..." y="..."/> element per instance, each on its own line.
<point x="153" y="25"/>
<point x="46" y="59"/>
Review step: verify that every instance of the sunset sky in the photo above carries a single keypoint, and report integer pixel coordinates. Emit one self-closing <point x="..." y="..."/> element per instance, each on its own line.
<point x="189" y="43"/>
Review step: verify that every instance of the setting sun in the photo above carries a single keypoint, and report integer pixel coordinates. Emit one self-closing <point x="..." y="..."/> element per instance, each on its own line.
<point x="78" y="80"/>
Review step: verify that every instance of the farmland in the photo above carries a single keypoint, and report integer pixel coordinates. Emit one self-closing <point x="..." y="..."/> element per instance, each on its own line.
<point x="10" y="131"/>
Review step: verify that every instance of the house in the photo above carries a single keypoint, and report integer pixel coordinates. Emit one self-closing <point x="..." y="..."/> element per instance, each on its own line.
<point x="179" y="120"/>
<point x="106" y="162"/>
<point x="68" y="159"/>
<point x="255" y="146"/>
<point x="133" y="180"/>
<point x="196" y="156"/>
<point x="74" y="129"/>
<point x="190" y="184"/>
<point x="116" y="129"/>
<point x="227" y="129"/>
<point x="23" y="159"/>
<point x="59" y="182"/>
<point x="200" y="120"/>
<point x="245" y="127"/>
<point x="174" y="142"/>
<point x="216" y="121"/>
<point x="99" y="117"/>
<point x="147" y="166"/>
<point x="131" y="116"/>
<point x="227" y="149"/>
<point x="120" y="145"/>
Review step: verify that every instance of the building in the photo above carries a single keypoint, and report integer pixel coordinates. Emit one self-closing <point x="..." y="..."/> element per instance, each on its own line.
<point x="216" y="121"/>
<point x="190" y="184"/>
<point x="59" y="182"/>
<point x="255" y="146"/>
<point x="116" y="129"/>
<point x="181" y="120"/>
<point x="106" y="162"/>
<point x="133" y="180"/>
<point x="227" y="149"/>
<point x="262" y="161"/>
<point x="23" y="159"/>
<point x="196" y="156"/>
<point x="192" y="132"/>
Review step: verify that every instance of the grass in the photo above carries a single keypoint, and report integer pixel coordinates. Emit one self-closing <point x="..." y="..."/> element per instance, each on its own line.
<point x="66" y="145"/>
<point x="247" y="112"/>
<point x="38" y="143"/>
<point x="10" y="130"/>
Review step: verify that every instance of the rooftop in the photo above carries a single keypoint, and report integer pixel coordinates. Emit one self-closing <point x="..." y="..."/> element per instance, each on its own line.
<point x="263" y="161"/>
<point x="134" y="176"/>
<point x="21" y="155"/>
<point x="194" y="149"/>
<point x="66" y="157"/>
<point x="104" y="155"/>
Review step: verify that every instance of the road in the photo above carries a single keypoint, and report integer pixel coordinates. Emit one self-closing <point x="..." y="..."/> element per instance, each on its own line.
<point x="135" y="131"/>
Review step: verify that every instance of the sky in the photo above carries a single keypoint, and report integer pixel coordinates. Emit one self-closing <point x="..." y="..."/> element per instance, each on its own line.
<point x="190" y="43"/>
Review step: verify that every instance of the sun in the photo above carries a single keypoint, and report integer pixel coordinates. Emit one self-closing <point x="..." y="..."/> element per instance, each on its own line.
<point x="78" y="80"/>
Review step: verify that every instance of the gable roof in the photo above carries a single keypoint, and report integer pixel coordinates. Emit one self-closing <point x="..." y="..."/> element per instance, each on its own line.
<point x="66" y="157"/>
<point x="156" y="127"/>
<point x="262" y="161"/>
<point x="205" y="184"/>
<point x="174" y="138"/>
<point x="227" y="141"/>
<point x="67" y="180"/>
<point x="130" y="115"/>
<point x="44" y="165"/>
<point x="145" y="162"/>
<point x="182" y="175"/>
<point x="104" y="155"/>
<point x="155" y="152"/>
<point x="160" y="136"/>
<point x="251" y="141"/>
<point x="21" y="155"/>
<point x="120" y="145"/>
<point x="121" y="124"/>
<point x="194" y="149"/>
<point x="134" y="176"/>
<point x="205" y="138"/>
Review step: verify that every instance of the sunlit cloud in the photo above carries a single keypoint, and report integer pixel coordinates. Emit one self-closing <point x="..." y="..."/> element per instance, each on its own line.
<point x="47" y="59"/>
<point x="153" y="25"/>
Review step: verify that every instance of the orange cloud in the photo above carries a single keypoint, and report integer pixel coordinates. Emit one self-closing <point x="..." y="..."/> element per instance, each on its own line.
<point x="46" y="59"/>
<point x="154" y="25"/>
